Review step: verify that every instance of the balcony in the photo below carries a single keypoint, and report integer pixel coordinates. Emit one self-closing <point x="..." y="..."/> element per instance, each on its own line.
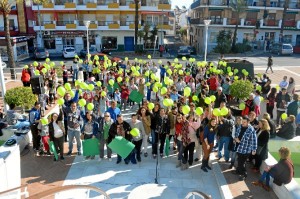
<point x="214" y="21"/>
<point x="67" y="24"/>
<point x="112" y="3"/>
<point x="93" y="24"/>
<point x="271" y="22"/>
<point x="290" y="23"/>
<point x="48" y="25"/>
<point x="48" y="5"/>
<point x="14" y="31"/>
<point x="250" y="22"/>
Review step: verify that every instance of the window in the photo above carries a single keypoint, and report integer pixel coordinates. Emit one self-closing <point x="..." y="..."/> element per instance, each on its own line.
<point x="213" y="37"/>
<point x="49" y="43"/>
<point x="287" y="39"/>
<point x="110" y="42"/>
<point x="30" y="23"/>
<point x="21" y="50"/>
<point x="248" y="37"/>
<point x="92" y="41"/>
<point x="68" y="42"/>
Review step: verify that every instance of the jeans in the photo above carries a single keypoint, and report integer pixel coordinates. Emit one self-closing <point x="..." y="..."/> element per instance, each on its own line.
<point x="266" y="175"/>
<point x="101" y="147"/>
<point x="127" y="159"/>
<point x="232" y="157"/>
<point x="152" y="136"/>
<point x="162" y="138"/>
<point x="188" y="154"/>
<point x="241" y="168"/>
<point x="59" y="145"/>
<point x="145" y="143"/>
<point x="36" y="138"/>
<point x="224" y="141"/>
<point x="137" y="149"/>
<point x="179" y="149"/>
<point x="278" y="119"/>
<point x="71" y="135"/>
<point x="123" y="101"/>
<point x="75" y="75"/>
<point x="198" y="149"/>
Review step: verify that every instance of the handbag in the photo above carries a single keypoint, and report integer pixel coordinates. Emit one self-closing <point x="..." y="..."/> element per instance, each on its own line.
<point x="259" y="150"/>
<point x="82" y="136"/>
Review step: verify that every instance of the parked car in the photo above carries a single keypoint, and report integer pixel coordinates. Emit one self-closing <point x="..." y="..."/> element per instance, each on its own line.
<point x="83" y="52"/>
<point x="184" y="51"/>
<point x="69" y="52"/>
<point x="40" y="53"/>
<point x="192" y="50"/>
<point x="4" y="65"/>
<point x="282" y="49"/>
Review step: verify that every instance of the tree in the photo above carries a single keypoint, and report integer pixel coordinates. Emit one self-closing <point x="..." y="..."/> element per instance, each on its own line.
<point x="239" y="6"/>
<point x="146" y="34"/>
<point x="285" y="7"/>
<point x="223" y="42"/>
<point x="241" y="89"/>
<point x="136" y="25"/>
<point x="5" y="8"/>
<point x="154" y="32"/>
<point x="141" y="34"/>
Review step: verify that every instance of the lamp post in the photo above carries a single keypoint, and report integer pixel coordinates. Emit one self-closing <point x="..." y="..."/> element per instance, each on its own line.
<point x="87" y="24"/>
<point x="40" y="27"/>
<point x="206" y="23"/>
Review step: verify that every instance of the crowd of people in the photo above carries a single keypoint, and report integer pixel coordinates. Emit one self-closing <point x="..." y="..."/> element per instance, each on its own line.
<point x="168" y="112"/>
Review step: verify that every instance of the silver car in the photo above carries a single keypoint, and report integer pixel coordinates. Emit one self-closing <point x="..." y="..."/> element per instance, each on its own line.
<point x="40" y="53"/>
<point x="282" y="49"/>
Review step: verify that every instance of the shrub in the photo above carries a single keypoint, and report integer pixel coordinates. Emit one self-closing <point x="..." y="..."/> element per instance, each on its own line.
<point x="20" y="96"/>
<point x="241" y="89"/>
<point x="242" y="47"/>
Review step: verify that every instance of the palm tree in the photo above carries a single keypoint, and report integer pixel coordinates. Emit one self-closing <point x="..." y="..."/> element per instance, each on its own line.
<point x="239" y="6"/>
<point x="5" y="8"/>
<point x="136" y="25"/>
<point x="285" y="7"/>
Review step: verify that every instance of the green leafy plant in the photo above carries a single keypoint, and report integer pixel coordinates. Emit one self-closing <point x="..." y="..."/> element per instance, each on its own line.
<point x="241" y="89"/>
<point x="20" y="96"/>
<point x="223" y="42"/>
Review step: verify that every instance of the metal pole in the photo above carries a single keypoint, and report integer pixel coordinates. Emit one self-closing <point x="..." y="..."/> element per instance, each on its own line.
<point x="40" y="31"/>
<point x="205" y="51"/>
<point x="88" y="42"/>
<point x="3" y="88"/>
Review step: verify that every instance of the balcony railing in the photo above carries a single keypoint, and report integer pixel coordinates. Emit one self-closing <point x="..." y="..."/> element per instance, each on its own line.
<point x="11" y="28"/>
<point x="62" y="2"/>
<point x="250" y="22"/>
<point x="81" y="23"/>
<point x="271" y="22"/>
<point x="44" y="22"/>
<point x="214" y="21"/>
<point x="126" y="23"/>
<point x="126" y="3"/>
<point x="84" y="2"/>
<point x="106" y="23"/>
<point x="290" y="23"/>
<point x="63" y="23"/>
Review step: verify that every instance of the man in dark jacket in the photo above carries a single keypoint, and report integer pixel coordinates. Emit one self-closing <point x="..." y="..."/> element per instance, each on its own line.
<point x="282" y="99"/>
<point x="120" y="128"/>
<point x="224" y="133"/>
<point x="220" y="97"/>
<point x="162" y="129"/>
<point x="34" y="118"/>
<point x="292" y="108"/>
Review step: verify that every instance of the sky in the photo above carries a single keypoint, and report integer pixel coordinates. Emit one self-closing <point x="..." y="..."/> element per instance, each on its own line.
<point x="181" y="3"/>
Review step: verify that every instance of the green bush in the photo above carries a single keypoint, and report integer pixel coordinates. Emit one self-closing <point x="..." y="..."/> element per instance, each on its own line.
<point x="20" y="96"/>
<point x="241" y="89"/>
<point x="242" y="47"/>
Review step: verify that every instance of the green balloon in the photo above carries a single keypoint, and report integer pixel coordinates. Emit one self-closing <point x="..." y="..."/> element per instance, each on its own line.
<point x="186" y="109"/>
<point x="44" y="121"/>
<point x="242" y="106"/>
<point x="224" y="111"/>
<point x="82" y="102"/>
<point x="217" y="112"/>
<point x="60" y="101"/>
<point x="151" y="106"/>
<point x="90" y="106"/>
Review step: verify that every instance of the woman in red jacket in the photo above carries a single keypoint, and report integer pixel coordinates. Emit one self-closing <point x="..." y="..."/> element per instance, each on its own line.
<point x="124" y="96"/>
<point x="25" y="78"/>
<point x="181" y="127"/>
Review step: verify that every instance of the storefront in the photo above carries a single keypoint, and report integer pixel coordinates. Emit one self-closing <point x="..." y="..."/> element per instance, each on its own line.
<point x="20" y="48"/>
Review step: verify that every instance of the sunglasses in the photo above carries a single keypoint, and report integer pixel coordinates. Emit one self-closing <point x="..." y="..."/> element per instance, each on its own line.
<point x="106" y="116"/>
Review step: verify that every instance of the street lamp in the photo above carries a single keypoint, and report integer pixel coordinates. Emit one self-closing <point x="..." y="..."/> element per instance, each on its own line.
<point x="87" y="24"/>
<point x="206" y="23"/>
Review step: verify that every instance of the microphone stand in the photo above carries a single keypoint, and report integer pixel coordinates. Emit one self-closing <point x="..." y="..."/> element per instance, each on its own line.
<point x="157" y="146"/>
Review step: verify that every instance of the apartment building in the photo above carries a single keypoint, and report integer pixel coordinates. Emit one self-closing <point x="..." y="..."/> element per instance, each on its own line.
<point x="21" y="30"/>
<point x="62" y="23"/>
<point x="259" y="25"/>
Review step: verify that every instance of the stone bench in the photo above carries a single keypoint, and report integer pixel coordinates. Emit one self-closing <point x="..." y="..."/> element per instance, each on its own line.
<point x="288" y="191"/>
<point x="277" y="142"/>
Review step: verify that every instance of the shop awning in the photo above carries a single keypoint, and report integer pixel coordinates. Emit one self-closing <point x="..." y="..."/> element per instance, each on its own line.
<point x="252" y="10"/>
<point x="215" y="9"/>
<point x="291" y="12"/>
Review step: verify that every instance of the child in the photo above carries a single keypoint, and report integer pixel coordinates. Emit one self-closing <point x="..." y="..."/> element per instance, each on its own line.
<point x="44" y="133"/>
<point x="117" y="96"/>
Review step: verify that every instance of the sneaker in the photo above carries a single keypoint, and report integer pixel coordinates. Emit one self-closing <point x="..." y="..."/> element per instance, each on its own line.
<point x="139" y="159"/>
<point x="78" y="153"/>
<point x="161" y="155"/>
<point x="69" y="153"/>
<point x="257" y="183"/>
<point x="87" y="157"/>
<point x="266" y="187"/>
<point x="230" y="166"/>
<point x="119" y="161"/>
<point x="242" y="177"/>
<point x="62" y="158"/>
<point x="93" y="157"/>
<point x="109" y="159"/>
<point x="127" y="162"/>
<point x="154" y="156"/>
<point x="48" y="153"/>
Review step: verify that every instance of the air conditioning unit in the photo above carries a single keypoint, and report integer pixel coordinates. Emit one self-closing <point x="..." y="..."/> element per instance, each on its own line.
<point x="46" y="32"/>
